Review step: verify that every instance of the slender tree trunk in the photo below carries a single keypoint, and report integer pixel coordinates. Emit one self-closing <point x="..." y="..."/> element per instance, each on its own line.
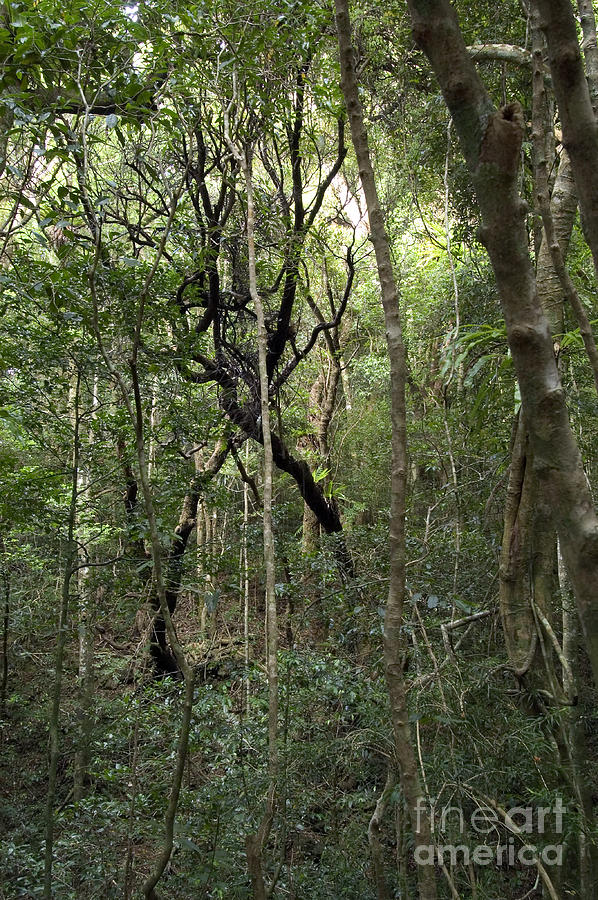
<point x="374" y="835"/>
<point x="576" y="741"/>
<point x="86" y="684"/>
<point x="514" y="566"/>
<point x="5" y="625"/>
<point x="136" y="413"/>
<point x="551" y="237"/>
<point x="70" y="563"/>
<point x="580" y="128"/>
<point x="590" y="48"/>
<point x="86" y="629"/>
<point x="491" y="142"/>
<point x="393" y="621"/>
<point x="153" y="424"/>
<point x="245" y="580"/>
<point x="255" y="843"/>
<point x="187" y="671"/>
<point x="563" y="208"/>
<point x="134" y="408"/>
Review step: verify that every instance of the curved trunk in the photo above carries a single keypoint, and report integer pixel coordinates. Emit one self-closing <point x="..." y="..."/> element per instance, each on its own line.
<point x="164" y="660"/>
<point x="491" y="142"/>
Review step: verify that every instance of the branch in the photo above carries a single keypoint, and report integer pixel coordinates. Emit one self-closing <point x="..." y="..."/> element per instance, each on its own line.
<point x="500" y="53"/>
<point x="249" y="481"/>
<point x="322" y="326"/>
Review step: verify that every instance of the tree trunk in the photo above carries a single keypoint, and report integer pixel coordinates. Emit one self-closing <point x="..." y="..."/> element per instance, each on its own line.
<point x="63" y="615"/>
<point x="136" y="413"/>
<point x="393" y="621"/>
<point x="563" y="207"/>
<point x="552" y="239"/>
<point x="255" y="843"/>
<point x="322" y="400"/>
<point x="5" y="581"/>
<point x="86" y="629"/>
<point x="514" y="566"/>
<point x="590" y="48"/>
<point x="191" y="510"/>
<point x="576" y="742"/>
<point x="580" y="128"/>
<point x="382" y="891"/>
<point x="134" y="408"/>
<point x="269" y="553"/>
<point x="491" y="142"/>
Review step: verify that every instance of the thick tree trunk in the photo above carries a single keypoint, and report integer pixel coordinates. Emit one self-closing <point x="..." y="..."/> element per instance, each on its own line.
<point x="312" y="492"/>
<point x="491" y="142"/>
<point x="528" y="547"/>
<point x="309" y="443"/>
<point x="393" y="644"/>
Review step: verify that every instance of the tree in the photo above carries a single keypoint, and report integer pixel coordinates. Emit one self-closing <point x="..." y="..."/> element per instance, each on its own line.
<point x="393" y="621"/>
<point x="490" y="141"/>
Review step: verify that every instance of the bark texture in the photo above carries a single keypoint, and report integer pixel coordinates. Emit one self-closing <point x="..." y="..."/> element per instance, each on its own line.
<point x="580" y="128"/>
<point x="491" y="143"/>
<point x="557" y="244"/>
<point x="563" y="207"/>
<point x="590" y="48"/>
<point x="514" y="566"/>
<point x="374" y="841"/>
<point x="396" y="351"/>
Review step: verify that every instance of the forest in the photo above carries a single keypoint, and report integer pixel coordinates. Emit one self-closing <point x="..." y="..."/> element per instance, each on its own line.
<point x="298" y="447"/>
